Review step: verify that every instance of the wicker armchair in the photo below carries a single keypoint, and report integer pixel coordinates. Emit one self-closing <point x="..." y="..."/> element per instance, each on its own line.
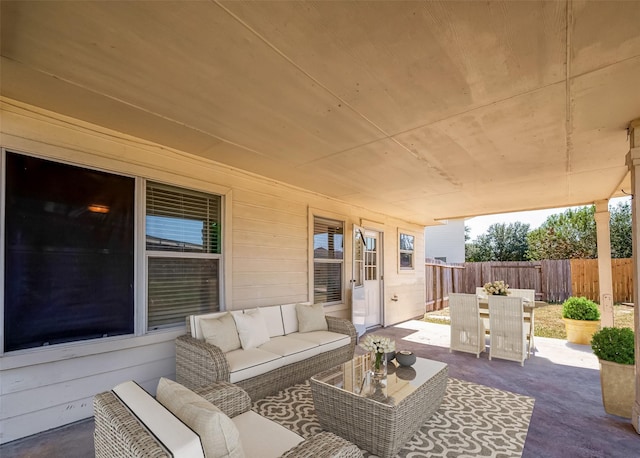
<point x="467" y="328"/>
<point x="508" y="332"/>
<point x="119" y="433"/>
<point x="200" y="364"/>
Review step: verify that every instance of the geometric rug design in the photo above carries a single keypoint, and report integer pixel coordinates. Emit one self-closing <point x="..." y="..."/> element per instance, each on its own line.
<point x="473" y="421"/>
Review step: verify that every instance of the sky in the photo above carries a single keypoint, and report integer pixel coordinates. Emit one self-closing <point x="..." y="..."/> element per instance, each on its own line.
<point x="480" y="224"/>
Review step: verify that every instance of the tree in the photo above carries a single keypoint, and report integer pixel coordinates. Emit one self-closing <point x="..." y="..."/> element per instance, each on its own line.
<point x="502" y="242"/>
<point x="620" y="228"/>
<point x="567" y="235"/>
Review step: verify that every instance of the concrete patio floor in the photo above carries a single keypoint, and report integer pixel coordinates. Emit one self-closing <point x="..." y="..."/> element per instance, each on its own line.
<point x="568" y="418"/>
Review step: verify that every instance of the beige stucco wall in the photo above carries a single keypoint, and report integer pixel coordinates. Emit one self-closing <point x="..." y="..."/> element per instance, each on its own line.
<point x="267" y="246"/>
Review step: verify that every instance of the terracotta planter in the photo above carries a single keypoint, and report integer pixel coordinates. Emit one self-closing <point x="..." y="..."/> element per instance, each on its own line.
<point x="618" y="388"/>
<point x="579" y="331"/>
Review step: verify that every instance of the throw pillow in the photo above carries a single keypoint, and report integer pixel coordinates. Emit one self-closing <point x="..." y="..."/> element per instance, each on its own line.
<point x="311" y="318"/>
<point x="252" y="328"/>
<point x="219" y="435"/>
<point x="221" y="332"/>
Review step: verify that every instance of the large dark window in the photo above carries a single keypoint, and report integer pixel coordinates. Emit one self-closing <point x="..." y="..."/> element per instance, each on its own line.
<point x="69" y="253"/>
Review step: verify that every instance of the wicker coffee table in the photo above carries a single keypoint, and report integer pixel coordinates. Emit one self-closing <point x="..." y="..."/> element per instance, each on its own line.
<point x="379" y="417"/>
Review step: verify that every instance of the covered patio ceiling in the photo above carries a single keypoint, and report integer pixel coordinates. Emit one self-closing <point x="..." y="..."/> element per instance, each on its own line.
<point x="419" y="110"/>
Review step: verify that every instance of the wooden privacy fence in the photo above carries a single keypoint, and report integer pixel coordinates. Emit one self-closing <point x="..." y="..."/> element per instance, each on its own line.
<point x="441" y="279"/>
<point x="553" y="280"/>
<point x="584" y="279"/>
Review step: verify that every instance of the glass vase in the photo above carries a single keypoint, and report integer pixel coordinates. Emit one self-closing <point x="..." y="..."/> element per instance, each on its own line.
<point x="378" y="365"/>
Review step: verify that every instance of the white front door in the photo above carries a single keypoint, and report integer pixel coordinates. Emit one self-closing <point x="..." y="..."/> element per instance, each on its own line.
<point x="373" y="278"/>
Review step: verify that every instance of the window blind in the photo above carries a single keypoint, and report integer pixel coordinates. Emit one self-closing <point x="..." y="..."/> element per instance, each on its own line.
<point x="183" y="241"/>
<point x="328" y="254"/>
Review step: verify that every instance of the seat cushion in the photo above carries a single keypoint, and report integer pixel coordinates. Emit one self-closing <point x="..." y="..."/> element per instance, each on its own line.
<point x="333" y="339"/>
<point x="174" y="435"/>
<point x="244" y="364"/>
<point x="221" y="332"/>
<point x="311" y="318"/>
<point x="287" y="345"/>
<point x="252" y="328"/>
<point x="264" y="438"/>
<point x="219" y="435"/>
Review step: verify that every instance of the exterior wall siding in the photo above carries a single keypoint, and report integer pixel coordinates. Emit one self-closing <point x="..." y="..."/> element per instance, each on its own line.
<point x="445" y="241"/>
<point x="267" y="246"/>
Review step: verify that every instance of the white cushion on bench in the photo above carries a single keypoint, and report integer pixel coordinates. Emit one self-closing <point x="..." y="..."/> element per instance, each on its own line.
<point x="287" y="345"/>
<point x="244" y="364"/>
<point x="273" y="318"/>
<point x="262" y="437"/>
<point x="331" y="339"/>
<point x="194" y="321"/>
<point x="179" y="439"/>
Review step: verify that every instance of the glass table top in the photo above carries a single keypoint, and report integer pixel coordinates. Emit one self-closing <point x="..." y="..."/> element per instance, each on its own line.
<point x="354" y="377"/>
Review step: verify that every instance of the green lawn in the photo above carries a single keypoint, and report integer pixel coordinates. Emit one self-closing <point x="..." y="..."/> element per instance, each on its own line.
<point x="548" y="319"/>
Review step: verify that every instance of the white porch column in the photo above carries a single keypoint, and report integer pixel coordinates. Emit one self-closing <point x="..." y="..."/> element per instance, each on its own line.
<point x="633" y="162"/>
<point x="605" y="282"/>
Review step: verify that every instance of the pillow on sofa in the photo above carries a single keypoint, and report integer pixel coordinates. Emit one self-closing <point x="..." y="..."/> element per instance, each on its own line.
<point x="311" y="318"/>
<point x="219" y="435"/>
<point x="252" y="328"/>
<point x="221" y="332"/>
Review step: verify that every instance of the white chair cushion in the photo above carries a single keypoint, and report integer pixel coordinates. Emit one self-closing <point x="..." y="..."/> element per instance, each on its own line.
<point x="176" y="437"/>
<point x="221" y="332"/>
<point x="252" y="328"/>
<point x="264" y="438"/>
<point x="219" y="435"/>
<point x="244" y="364"/>
<point x="311" y="318"/>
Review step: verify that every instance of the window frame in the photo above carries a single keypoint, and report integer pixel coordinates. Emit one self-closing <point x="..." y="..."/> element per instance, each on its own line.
<point x="147" y="254"/>
<point x="140" y="312"/>
<point x="401" y="268"/>
<point x="313" y="214"/>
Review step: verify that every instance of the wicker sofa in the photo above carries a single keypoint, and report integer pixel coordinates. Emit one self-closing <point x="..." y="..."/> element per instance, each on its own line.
<point x="210" y="422"/>
<point x="293" y="347"/>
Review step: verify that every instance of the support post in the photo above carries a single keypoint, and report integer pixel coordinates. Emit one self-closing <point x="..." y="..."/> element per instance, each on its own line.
<point x="633" y="162"/>
<point x="605" y="283"/>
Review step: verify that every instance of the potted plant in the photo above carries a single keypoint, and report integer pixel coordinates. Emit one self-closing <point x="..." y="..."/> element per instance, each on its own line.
<point x="581" y="318"/>
<point x="615" y="349"/>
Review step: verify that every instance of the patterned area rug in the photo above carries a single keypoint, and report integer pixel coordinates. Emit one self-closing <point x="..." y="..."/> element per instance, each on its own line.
<point x="473" y="421"/>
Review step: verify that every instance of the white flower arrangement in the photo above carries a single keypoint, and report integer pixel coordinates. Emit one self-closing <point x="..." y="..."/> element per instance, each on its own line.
<point x="378" y="344"/>
<point x="497" y="288"/>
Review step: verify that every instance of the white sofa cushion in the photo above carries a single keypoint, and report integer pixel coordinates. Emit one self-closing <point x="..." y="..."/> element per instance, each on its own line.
<point x="289" y="318"/>
<point x="194" y="322"/>
<point x="252" y="328"/>
<point x="219" y="435"/>
<point x="176" y="437"/>
<point x="273" y="318"/>
<point x="244" y="364"/>
<point x="324" y="338"/>
<point x="262" y="437"/>
<point x="287" y="345"/>
<point x="311" y="318"/>
<point x="221" y="332"/>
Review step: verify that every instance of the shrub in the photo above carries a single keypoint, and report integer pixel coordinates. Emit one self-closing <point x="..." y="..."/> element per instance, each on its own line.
<point x="615" y="345"/>
<point x="580" y="308"/>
